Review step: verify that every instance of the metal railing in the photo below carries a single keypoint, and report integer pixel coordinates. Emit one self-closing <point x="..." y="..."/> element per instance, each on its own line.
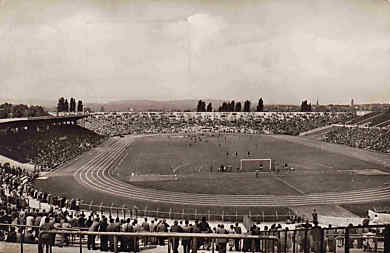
<point x="173" y="239"/>
<point x="175" y="214"/>
<point x="23" y="228"/>
<point x="373" y="238"/>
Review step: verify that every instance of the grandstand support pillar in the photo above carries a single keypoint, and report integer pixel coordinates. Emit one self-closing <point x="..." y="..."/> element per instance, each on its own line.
<point x="81" y="243"/>
<point x="169" y="244"/>
<point x="346" y="240"/>
<point x="386" y="239"/>
<point x="22" y="240"/>
<point x="135" y="244"/>
<point x="194" y="245"/>
<point x="115" y="244"/>
<point x="306" y="247"/>
<point x="322" y="248"/>
<point x="285" y="240"/>
<point x="294" y="236"/>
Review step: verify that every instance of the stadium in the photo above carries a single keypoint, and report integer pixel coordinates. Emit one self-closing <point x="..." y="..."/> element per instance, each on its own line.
<point x="194" y="165"/>
<point x="203" y="168"/>
<point x="195" y="126"/>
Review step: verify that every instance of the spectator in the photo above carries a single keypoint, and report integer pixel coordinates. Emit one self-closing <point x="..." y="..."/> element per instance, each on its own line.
<point x="368" y="138"/>
<point x="175" y="241"/>
<point x="91" y="238"/>
<point x="221" y="242"/>
<point x="127" y="241"/>
<point x="11" y="237"/>
<point x="238" y="231"/>
<point x="45" y="238"/>
<point x="186" y="242"/>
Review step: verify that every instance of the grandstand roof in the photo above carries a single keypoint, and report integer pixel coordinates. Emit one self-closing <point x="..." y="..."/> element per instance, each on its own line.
<point x="21" y="122"/>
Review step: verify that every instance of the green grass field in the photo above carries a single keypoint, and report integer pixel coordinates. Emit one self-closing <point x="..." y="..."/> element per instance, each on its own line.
<point x="316" y="170"/>
<point x="60" y="185"/>
<point x="318" y="167"/>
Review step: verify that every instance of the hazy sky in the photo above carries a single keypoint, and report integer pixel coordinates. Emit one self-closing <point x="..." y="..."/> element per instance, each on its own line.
<point x="282" y="50"/>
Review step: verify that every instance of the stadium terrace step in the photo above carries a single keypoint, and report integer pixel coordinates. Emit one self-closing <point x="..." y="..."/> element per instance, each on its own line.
<point x="383" y="117"/>
<point x="14" y="163"/>
<point x="363" y="118"/>
<point x="316" y="131"/>
<point x="383" y="124"/>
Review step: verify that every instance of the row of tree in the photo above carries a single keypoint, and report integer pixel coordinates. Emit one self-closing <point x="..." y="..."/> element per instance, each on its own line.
<point x="64" y="106"/>
<point x="19" y="111"/>
<point x="305" y="106"/>
<point x="231" y="106"/>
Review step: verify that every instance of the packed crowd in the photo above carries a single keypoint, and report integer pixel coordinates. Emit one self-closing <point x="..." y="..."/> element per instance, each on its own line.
<point x="17" y="190"/>
<point x="48" y="148"/>
<point x="127" y="243"/>
<point x="113" y="124"/>
<point x="369" y="138"/>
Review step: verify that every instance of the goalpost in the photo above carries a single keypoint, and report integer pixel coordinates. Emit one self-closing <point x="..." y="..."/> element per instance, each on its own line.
<point x="250" y="165"/>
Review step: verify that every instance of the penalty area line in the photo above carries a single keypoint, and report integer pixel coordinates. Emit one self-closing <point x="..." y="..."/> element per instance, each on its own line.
<point x="289" y="185"/>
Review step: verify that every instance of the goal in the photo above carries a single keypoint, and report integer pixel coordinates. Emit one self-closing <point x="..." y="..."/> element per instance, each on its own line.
<point x="250" y="165"/>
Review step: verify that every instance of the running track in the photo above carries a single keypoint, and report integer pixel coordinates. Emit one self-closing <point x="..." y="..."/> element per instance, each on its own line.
<point x="97" y="174"/>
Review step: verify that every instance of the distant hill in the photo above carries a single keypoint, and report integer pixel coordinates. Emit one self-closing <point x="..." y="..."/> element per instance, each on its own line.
<point x="122" y="105"/>
<point x="181" y="105"/>
<point x="46" y="103"/>
<point x="151" y="105"/>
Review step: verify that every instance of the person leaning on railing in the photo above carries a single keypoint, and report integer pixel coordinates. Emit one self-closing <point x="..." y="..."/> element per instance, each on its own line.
<point x="237" y="242"/>
<point x="45" y="239"/>
<point x="175" y="228"/>
<point x="330" y="234"/>
<point x="204" y="227"/>
<point x="11" y="236"/>
<point x="221" y="242"/>
<point x="103" y="238"/>
<point x="127" y="241"/>
<point x="91" y="238"/>
<point x="186" y="242"/>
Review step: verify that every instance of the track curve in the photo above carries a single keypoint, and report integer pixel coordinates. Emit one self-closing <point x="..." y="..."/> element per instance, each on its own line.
<point x="97" y="174"/>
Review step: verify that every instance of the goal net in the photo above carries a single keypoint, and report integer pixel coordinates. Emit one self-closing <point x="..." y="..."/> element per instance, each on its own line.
<point x="250" y="165"/>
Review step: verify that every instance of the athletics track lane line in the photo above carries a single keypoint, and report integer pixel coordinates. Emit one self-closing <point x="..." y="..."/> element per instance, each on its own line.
<point x="117" y="191"/>
<point x="109" y="183"/>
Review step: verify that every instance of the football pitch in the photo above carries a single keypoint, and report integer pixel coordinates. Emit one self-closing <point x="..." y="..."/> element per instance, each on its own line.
<point x="153" y="162"/>
<point x="181" y="174"/>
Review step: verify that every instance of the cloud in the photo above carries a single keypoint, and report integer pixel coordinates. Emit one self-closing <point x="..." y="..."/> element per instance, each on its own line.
<point x="204" y="30"/>
<point x="209" y="49"/>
